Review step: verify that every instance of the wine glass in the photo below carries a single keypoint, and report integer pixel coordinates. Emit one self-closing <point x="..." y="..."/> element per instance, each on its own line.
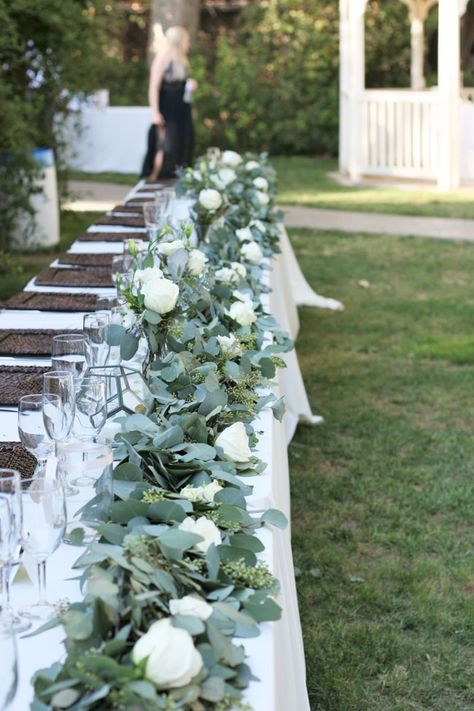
<point x="153" y="214"/>
<point x="10" y="492"/>
<point x="97" y="348"/>
<point x="9" y="675"/>
<point x="86" y="468"/>
<point x="31" y="429"/>
<point x="58" y="403"/>
<point x="44" y="524"/>
<point x="69" y="353"/>
<point x="122" y="266"/>
<point x="91" y="407"/>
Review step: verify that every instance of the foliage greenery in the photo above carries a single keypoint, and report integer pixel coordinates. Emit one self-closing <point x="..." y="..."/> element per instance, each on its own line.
<point x="49" y="51"/>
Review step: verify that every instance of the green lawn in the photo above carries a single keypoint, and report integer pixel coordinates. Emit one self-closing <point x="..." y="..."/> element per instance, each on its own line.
<point x="304" y="181"/>
<point x="29" y="263"/>
<point x="383" y="492"/>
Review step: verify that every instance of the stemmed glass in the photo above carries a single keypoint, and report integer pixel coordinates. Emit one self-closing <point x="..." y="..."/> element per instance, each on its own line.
<point x="9" y="675"/>
<point x="97" y="348"/>
<point x="10" y="539"/>
<point x="58" y="404"/>
<point x="122" y="266"/>
<point x="31" y="428"/>
<point x="44" y="524"/>
<point x="91" y="407"/>
<point x="69" y="353"/>
<point x="153" y="215"/>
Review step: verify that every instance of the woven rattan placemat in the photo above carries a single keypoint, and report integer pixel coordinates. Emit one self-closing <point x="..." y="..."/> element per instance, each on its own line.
<point x="137" y="201"/>
<point x="42" y="301"/>
<point x="14" y="456"/>
<point x="120" y="221"/>
<point x="132" y="209"/>
<point x="74" y="277"/>
<point x="16" y="381"/>
<point x="103" y="261"/>
<point x="110" y="236"/>
<point x="31" y="342"/>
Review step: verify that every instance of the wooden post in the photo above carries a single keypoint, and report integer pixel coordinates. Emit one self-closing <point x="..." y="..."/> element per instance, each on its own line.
<point x="356" y="85"/>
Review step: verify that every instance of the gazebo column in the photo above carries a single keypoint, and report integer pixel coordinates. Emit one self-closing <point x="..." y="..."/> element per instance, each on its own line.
<point x="344" y="85"/>
<point x="449" y="82"/>
<point x="356" y="57"/>
<point x="417" y="53"/>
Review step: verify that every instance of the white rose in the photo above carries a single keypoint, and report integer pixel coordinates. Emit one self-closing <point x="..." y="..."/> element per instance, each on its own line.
<point x="191" y="605"/>
<point x="259" y="225"/>
<point x="172" y="660"/>
<point x="196" y="262"/>
<point x="239" y="268"/>
<point x="217" y="182"/>
<point x="229" y="345"/>
<point x="127" y="317"/>
<point x="210" y="199"/>
<point x="262" y="198"/>
<point x="203" y="527"/>
<point x="231" y="158"/>
<point x="251" y="252"/>
<point x="261" y="183"/>
<point x="251" y="165"/>
<point x="226" y="274"/>
<point x="204" y="493"/>
<point x="160" y="296"/>
<point x="243" y="313"/>
<point x="244" y="234"/>
<point x="169" y="248"/>
<point x="235" y="443"/>
<point x="145" y="276"/>
<point x="241" y="296"/>
<point x="227" y="176"/>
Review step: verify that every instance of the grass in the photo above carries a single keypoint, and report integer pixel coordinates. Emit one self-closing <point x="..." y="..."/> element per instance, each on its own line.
<point x="383" y="492"/>
<point x="305" y="181"/>
<point x="28" y="263"/>
<point x="117" y="178"/>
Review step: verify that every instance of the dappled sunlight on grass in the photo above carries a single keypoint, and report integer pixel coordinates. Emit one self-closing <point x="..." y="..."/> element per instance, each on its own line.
<point x="305" y="181"/>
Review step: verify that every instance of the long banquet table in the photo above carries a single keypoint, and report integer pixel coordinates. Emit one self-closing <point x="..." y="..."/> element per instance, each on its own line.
<point x="276" y="657"/>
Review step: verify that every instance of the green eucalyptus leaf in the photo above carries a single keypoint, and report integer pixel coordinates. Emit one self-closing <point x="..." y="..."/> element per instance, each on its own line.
<point x="65" y="698"/>
<point x="113" y="334"/>
<point x="77" y="624"/>
<point x="190" y="623"/>
<point x="213" y="689"/>
<point x="178" y="540"/>
<point x="123" y="511"/>
<point x="166" y="511"/>
<point x="128" y="346"/>
<point x="128" y="472"/>
<point x="275" y="517"/>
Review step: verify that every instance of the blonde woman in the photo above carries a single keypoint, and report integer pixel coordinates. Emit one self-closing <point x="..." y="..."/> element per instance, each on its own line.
<point x="171" y="136"/>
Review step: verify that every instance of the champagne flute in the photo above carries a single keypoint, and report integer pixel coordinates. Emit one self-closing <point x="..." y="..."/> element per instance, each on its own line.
<point x="153" y="213"/>
<point x="9" y="675"/>
<point x="58" y="404"/>
<point x="10" y="492"/>
<point x="44" y="524"/>
<point x="31" y="429"/>
<point x="97" y="348"/>
<point x="69" y="353"/>
<point x="91" y="407"/>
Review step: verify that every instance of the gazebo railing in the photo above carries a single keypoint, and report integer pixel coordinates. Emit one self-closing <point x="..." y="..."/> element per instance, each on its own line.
<point x="400" y="133"/>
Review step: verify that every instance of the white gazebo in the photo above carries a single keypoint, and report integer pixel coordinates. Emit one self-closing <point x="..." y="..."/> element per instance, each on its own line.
<point x="405" y="133"/>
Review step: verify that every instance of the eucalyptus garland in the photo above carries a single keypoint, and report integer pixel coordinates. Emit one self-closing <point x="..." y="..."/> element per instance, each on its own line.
<point x="174" y="578"/>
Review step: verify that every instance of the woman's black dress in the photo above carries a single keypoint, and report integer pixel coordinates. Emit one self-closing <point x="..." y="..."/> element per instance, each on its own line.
<point x="176" y="138"/>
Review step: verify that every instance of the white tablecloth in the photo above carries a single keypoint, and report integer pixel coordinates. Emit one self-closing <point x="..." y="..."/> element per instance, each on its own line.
<point x="277" y="655"/>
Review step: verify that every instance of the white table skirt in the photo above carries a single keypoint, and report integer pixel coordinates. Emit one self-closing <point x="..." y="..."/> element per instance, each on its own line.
<point x="277" y="655"/>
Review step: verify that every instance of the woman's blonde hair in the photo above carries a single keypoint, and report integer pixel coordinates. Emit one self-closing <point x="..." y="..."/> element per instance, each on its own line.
<point x="175" y="38"/>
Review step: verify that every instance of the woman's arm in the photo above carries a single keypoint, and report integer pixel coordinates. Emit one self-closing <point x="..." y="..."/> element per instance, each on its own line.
<point x="157" y="71"/>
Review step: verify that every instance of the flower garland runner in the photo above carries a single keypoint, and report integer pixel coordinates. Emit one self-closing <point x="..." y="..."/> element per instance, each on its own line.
<point x="174" y="579"/>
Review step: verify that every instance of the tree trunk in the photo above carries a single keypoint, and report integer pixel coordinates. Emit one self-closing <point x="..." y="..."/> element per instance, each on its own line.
<point x="467" y="36"/>
<point x="166" y="13"/>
